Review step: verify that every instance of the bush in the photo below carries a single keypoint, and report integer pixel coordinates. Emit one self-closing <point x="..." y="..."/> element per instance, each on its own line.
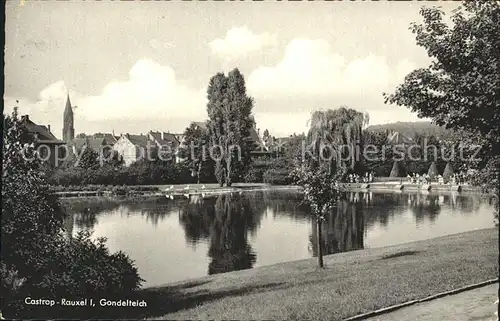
<point x="254" y="175"/>
<point x="37" y="261"/>
<point x="78" y="268"/>
<point x="277" y="177"/>
<point x="397" y="170"/>
<point x="433" y="170"/>
<point x="448" y="171"/>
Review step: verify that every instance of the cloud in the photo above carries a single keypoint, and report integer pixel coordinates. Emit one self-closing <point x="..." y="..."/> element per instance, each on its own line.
<point x="157" y="44"/>
<point x="239" y="42"/>
<point x="151" y="94"/>
<point x="311" y="68"/>
<point x="298" y="122"/>
<point x="311" y="76"/>
<point x="151" y="91"/>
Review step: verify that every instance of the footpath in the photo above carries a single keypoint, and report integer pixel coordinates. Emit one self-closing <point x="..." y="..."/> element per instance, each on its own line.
<point x="478" y="305"/>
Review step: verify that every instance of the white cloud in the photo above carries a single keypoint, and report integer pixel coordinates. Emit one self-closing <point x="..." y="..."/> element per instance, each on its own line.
<point x="311" y="68"/>
<point x="151" y="93"/>
<point x="298" y="122"/>
<point x="157" y="44"/>
<point x="240" y="41"/>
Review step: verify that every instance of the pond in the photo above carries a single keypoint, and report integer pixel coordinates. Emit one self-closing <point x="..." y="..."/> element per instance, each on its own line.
<point x="173" y="240"/>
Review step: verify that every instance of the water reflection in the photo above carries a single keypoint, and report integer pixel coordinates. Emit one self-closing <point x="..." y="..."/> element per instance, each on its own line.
<point x="232" y="232"/>
<point x="343" y="228"/>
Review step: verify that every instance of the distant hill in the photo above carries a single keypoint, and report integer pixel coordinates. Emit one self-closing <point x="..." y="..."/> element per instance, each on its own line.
<point x="409" y="129"/>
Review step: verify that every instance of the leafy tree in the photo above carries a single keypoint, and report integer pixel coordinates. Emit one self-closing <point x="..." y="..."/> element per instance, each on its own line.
<point x="37" y="260"/>
<point x="196" y="153"/>
<point x="396" y="170"/>
<point x="339" y="130"/>
<point x="433" y="170"/>
<point x="460" y="89"/>
<point x="229" y="110"/>
<point x="30" y="214"/>
<point x="266" y="136"/>
<point x="89" y="158"/>
<point x="320" y="193"/>
<point x="448" y="171"/>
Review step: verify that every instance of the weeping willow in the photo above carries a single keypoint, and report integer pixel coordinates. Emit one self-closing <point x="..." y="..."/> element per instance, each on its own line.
<point x="337" y="134"/>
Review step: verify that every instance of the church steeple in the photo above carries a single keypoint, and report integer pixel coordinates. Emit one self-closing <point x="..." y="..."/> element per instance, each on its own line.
<point x="68" y="122"/>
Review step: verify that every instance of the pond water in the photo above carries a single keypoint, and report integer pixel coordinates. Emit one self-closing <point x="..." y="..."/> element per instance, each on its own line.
<point x="173" y="240"/>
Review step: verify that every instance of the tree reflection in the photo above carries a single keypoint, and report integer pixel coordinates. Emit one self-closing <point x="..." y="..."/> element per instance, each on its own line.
<point x="380" y="207"/>
<point x="154" y="209"/>
<point x="226" y="220"/>
<point x="229" y="248"/>
<point x="424" y="206"/>
<point x="196" y="218"/>
<point x="82" y="213"/>
<point x="343" y="229"/>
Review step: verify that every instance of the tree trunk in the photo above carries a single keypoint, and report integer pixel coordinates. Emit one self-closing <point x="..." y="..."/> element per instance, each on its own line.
<point x="320" y="243"/>
<point x="228" y="172"/>
<point x="198" y="174"/>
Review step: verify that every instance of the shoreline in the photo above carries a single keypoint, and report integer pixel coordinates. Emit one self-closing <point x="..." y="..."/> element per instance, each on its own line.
<point x="180" y="191"/>
<point x="352" y="283"/>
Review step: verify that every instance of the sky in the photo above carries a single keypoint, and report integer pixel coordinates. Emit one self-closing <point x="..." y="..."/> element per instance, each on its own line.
<point x="139" y="66"/>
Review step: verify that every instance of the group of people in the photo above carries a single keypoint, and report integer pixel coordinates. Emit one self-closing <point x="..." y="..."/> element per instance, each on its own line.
<point x="426" y="179"/>
<point x="356" y="178"/>
<point x="418" y="179"/>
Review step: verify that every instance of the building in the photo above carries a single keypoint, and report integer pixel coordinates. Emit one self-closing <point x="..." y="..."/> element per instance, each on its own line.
<point x="68" y="133"/>
<point x="96" y="144"/>
<point x="166" y="142"/>
<point x="132" y="148"/>
<point x="47" y="145"/>
<point x="110" y="138"/>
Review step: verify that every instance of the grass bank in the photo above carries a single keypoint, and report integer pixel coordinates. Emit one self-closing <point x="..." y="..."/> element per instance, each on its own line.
<point x="352" y="283"/>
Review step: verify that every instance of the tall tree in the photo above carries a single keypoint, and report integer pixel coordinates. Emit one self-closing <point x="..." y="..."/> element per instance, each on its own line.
<point x="460" y="89"/>
<point x="339" y="130"/>
<point x="195" y="151"/>
<point x="230" y="123"/>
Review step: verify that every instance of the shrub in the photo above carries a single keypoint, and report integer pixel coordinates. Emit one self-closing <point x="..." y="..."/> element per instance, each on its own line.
<point x="78" y="268"/>
<point x="254" y="175"/>
<point x="37" y="261"/>
<point x="433" y="170"/>
<point x="277" y="177"/>
<point x="396" y="170"/>
<point x="448" y="171"/>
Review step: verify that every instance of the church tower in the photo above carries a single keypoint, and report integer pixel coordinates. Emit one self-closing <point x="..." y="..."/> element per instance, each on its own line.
<point x="68" y="122"/>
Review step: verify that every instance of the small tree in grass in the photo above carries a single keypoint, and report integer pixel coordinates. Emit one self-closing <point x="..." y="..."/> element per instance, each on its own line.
<point x="320" y="192"/>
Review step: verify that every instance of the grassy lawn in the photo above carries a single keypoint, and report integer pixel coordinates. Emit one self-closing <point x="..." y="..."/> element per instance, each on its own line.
<point x="352" y="283"/>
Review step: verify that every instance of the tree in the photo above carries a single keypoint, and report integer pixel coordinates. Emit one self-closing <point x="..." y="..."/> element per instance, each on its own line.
<point x="448" y="171"/>
<point x="396" y="170"/>
<point x="460" y="89"/>
<point x="266" y="136"/>
<point x="37" y="260"/>
<point x="89" y="158"/>
<point x="340" y="132"/>
<point x="320" y="193"/>
<point x="195" y="151"/>
<point x="229" y="110"/>
<point x="433" y="170"/>
<point x="30" y="213"/>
